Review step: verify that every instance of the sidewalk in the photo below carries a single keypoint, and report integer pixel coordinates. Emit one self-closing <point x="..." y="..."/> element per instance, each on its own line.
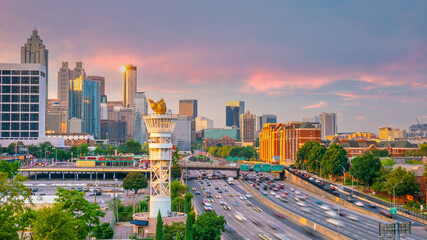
<point x="123" y="230"/>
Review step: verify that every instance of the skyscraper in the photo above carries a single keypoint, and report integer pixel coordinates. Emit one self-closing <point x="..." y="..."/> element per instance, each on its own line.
<point x="265" y="118"/>
<point x="328" y="124"/>
<point x="140" y="108"/>
<point x="247" y="127"/>
<point x="84" y="102"/>
<point x="203" y="123"/>
<point x="129" y="85"/>
<point x="232" y="112"/>
<point x="34" y="51"/>
<point x="188" y="107"/>
<point x="23" y="98"/>
<point x="101" y="81"/>
<point x="65" y="74"/>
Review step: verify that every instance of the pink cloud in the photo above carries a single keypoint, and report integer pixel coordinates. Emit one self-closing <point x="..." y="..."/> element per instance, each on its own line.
<point x="360" y="117"/>
<point x="317" y="105"/>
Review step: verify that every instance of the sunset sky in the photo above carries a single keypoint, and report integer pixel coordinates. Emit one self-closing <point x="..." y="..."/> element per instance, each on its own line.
<point x="365" y="60"/>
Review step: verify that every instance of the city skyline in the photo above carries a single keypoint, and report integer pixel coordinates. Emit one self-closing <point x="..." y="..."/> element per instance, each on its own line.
<point x="287" y="59"/>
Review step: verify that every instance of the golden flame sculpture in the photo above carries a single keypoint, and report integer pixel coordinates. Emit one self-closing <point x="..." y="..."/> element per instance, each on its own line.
<point x="159" y="107"/>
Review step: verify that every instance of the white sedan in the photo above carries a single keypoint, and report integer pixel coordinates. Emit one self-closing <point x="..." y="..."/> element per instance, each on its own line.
<point x="360" y="204"/>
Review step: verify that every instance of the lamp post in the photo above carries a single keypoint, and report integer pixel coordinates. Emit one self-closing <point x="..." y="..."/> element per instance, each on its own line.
<point x="320" y="173"/>
<point x="394" y="196"/>
<point x="352" y="180"/>
<point x="343" y="174"/>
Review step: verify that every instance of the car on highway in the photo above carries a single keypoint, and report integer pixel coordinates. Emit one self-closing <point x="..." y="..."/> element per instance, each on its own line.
<point x="193" y="189"/>
<point x="360" y="204"/>
<point x="272" y="193"/>
<point x="203" y="188"/>
<point x="331" y="213"/>
<point x="205" y="201"/>
<point x="222" y="203"/>
<point x="42" y="194"/>
<point x="248" y="195"/>
<point x="238" y="194"/>
<point x="210" y="200"/>
<point x="325" y="207"/>
<point x="263" y="236"/>
<point x="274" y="226"/>
<point x="279" y="215"/>
<point x="220" y="191"/>
<point x="256" y="221"/>
<point x="228" y="228"/>
<point x="243" y="198"/>
<point x="34" y="189"/>
<point x="278" y="196"/>
<point x="92" y="193"/>
<point x="257" y="209"/>
<point x="334" y="221"/>
<point x="239" y="216"/>
<point x="301" y="204"/>
<point x="350" y="199"/>
<point x="372" y="205"/>
<point x="235" y="203"/>
<point x="283" y="199"/>
<point x="86" y="189"/>
<point x="283" y="194"/>
<point x="385" y="213"/>
<point x="226" y="207"/>
<point x="216" y="188"/>
<point x="208" y="208"/>
<point x="230" y="195"/>
<point x="79" y="189"/>
<point x="306" y="210"/>
<point x="333" y="188"/>
<point x="281" y="236"/>
<point x="249" y="204"/>
<point x="319" y="202"/>
<point x="353" y="217"/>
<point x="197" y="193"/>
<point x="218" y="196"/>
<point x="297" y="192"/>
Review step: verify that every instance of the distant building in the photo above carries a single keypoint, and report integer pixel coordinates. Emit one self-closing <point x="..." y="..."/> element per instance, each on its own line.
<point x="101" y="81"/>
<point x="203" y="123"/>
<point x="84" y="102"/>
<point x="269" y="141"/>
<point x="264" y="119"/>
<point x="218" y="133"/>
<point x="188" y="107"/>
<point x="353" y="136"/>
<point x="391" y="134"/>
<point x="75" y="125"/>
<point x="181" y="136"/>
<point x="418" y="130"/>
<point x="224" y="141"/>
<point x="328" y="124"/>
<point x="359" y="147"/>
<point x="56" y="119"/>
<point x="120" y="113"/>
<point x="129" y="85"/>
<point x="140" y="108"/>
<point x="74" y="139"/>
<point x="313" y="119"/>
<point x="65" y="74"/>
<point x="34" y="51"/>
<point x="23" y="103"/>
<point x="233" y="110"/>
<point x="112" y="104"/>
<point x="247" y="127"/>
<point x="115" y="131"/>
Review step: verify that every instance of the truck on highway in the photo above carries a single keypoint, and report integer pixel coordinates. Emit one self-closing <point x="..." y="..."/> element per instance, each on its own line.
<point x="230" y="181"/>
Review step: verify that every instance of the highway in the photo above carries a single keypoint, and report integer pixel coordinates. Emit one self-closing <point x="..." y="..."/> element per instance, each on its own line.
<point x="247" y="229"/>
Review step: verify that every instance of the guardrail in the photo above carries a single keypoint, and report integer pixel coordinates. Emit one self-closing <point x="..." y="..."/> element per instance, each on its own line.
<point x="387" y="204"/>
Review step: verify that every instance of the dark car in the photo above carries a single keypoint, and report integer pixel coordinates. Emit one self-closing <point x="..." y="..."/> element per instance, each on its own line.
<point x="350" y="199"/>
<point x="79" y="189"/>
<point x="34" y="189"/>
<point x="197" y="193"/>
<point x="372" y="205"/>
<point x="219" y="191"/>
<point x="279" y="215"/>
<point x="385" y="213"/>
<point x="265" y="187"/>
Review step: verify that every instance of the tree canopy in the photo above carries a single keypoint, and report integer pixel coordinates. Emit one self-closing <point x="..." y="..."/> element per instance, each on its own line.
<point x="209" y="225"/>
<point x="366" y="168"/>
<point x="332" y="159"/>
<point x="135" y="181"/>
<point x="403" y="180"/>
<point x="55" y="223"/>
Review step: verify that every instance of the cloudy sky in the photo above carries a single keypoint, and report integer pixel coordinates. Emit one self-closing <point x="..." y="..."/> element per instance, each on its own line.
<point x="365" y="60"/>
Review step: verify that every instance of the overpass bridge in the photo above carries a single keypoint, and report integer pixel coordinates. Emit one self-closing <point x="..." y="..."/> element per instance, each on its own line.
<point x="76" y="171"/>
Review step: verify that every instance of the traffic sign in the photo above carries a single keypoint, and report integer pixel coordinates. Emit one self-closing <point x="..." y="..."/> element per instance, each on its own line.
<point x="393" y="210"/>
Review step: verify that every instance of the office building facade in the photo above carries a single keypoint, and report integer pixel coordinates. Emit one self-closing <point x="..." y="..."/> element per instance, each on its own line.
<point x="233" y="110"/>
<point x="101" y="81"/>
<point x="264" y="119"/>
<point x="328" y="124"/>
<point x="119" y="113"/>
<point x="84" y="103"/>
<point x="218" y="133"/>
<point x="23" y="102"/>
<point x="129" y="85"/>
<point x="203" y="123"/>
<point x="188" y="107"/>
<point x="181" y="136"/>
<point x="65" y="75"/>
<point x="391" y="134"/>
<point x="140" y="108"/>
<point x="247" y="127"/>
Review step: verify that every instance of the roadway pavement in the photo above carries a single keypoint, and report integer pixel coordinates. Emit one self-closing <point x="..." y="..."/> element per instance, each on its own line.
<point x="247" y="229"/>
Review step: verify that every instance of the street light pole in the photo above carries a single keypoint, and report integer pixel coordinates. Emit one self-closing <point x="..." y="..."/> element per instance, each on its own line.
<point x="352" y="180"/>
<point x="343" y="175"/>
<point x="394" y="193"/>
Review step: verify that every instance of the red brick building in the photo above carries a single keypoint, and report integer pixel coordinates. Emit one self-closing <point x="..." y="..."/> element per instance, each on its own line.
<point x="224" y="141"/>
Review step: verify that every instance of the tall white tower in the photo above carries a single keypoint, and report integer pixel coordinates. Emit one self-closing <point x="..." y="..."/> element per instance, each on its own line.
<point x="160" y="127"/>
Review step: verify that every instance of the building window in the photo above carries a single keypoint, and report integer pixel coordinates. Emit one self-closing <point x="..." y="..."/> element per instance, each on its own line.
<point x="25" y="80"/>
<point x="34" y="89"/>
<point x="25" y="98"/>
<point x="34" y="108"/>
<point x="25" y="126"/>
<point x="16" y="89"/>
<point x="15" y="116"/>
<point x="16" y="80"/>
<point x="6" y="72"/>
<point x="16" y="72"/>
<point x="25" y="108"/>
<point x="16" y="98"/>
<point x="15" y="107"/>
<point x="34" y="117"/>
<point x="25" y="89"/>
<point x="5" y="98"/>
<point x="5" y="89"/>
<point x="34" y="80"/>
<point x="34" y="134"/>
<point x="5" y="134"/>
<point x="5" y="126"/>
<point x="25" y="72"/>
<point x="25" y="134"/>
<point x="34" y="126"/>
<point x="43" y="74"/>
<point x="6" y="80"/>
<point x="34" y="98"/>
<point x="5" y="117"/>
<point x="25" y="117"/>
<point x="35" y="73"/>
<point x="14" y="126"/>
<point x="15" y="134"/>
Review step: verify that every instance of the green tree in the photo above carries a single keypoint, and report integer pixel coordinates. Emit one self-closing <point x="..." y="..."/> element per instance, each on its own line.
<point x="171" y="231"/>
<point x="178" y="189"/>
<point x="175" y="171"/>
<point x="178" y="204"/>
<point x="10" y="168"/>
<point x="388" y="162"/>
<point x="379" y="153"/>
<point x="333" y="158"/>
<point x="145" y="149"/>
<point x="24" y="220"/>
<point x="303" y="152"/>
<point x="135" y="181"/>
<point x="315" y="155"/>
<point x="85" y="213"/>
<point x="404" y="182"/>
<point x="133" y="147"/>
<point x="54" y="223"/>
<point x="84" y="149"/>
<point x="159" y="227"/>
<point x="209" y="226"/>
<point x="366" y="168"/>
<point x="98" y="150"/>
<point x="175" y="155"/>
<point x="188" y="228"/>
<point x="103" y="231"/>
